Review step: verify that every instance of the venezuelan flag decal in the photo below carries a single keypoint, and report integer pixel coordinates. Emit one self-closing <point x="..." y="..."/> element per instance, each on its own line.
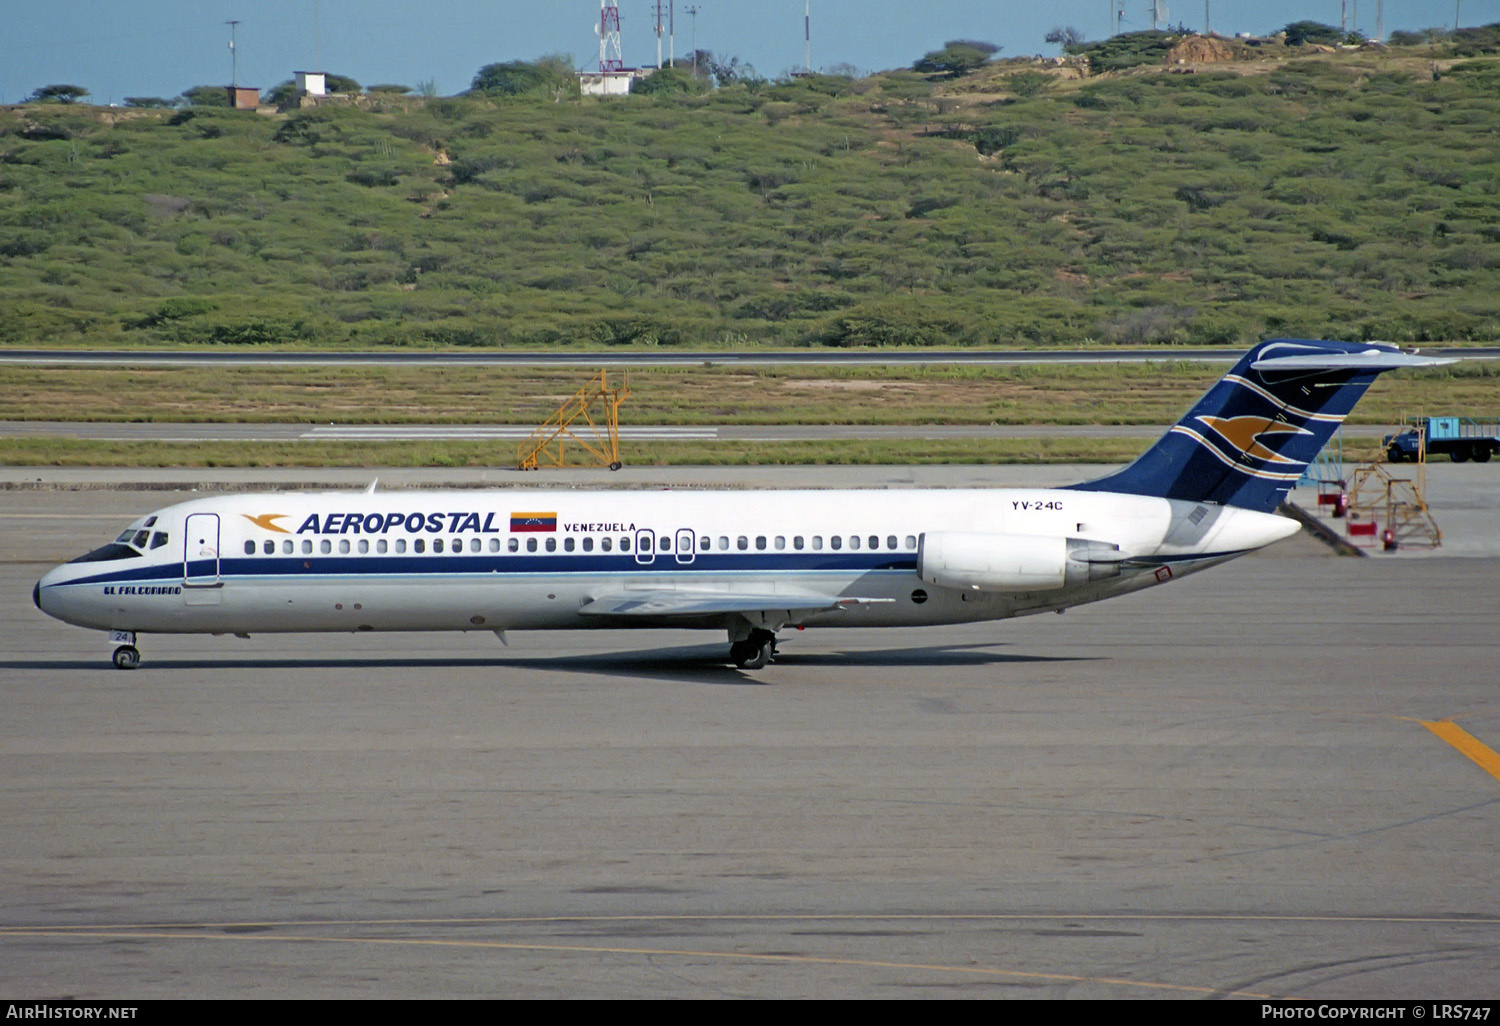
<point x="533" y="522"/>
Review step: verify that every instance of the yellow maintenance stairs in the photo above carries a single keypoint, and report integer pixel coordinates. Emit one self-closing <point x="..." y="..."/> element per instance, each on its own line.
<point x="593" y="433"/>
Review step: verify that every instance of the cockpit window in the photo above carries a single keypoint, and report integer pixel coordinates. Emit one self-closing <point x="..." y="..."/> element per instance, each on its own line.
<point x="158" y="539"/>
<point x="139" y="541"/>
<point x="114" y="550"/>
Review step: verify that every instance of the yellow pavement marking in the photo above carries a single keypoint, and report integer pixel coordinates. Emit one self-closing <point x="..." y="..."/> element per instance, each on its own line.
<point x="1469" y="745"/>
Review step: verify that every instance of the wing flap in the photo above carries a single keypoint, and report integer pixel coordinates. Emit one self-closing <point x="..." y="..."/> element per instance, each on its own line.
<point x="698" y="603"/>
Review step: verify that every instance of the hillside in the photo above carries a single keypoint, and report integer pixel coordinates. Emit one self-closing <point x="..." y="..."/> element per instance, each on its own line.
<point x="1345" y="195"/>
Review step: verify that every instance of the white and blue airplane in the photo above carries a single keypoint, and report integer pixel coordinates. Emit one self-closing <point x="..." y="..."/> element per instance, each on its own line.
<point x="748" y="563"/>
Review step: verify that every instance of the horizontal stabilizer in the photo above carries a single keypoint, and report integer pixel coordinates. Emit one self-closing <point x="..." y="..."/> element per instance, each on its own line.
<point x="1369" y="360"/>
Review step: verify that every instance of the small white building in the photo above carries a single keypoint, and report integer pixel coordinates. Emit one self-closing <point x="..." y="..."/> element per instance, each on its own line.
<point x="610" y="83"/>
<point x="312" y="83"/>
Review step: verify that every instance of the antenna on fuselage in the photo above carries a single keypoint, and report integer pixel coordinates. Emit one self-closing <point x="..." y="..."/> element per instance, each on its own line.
<point x="371" y="490"/>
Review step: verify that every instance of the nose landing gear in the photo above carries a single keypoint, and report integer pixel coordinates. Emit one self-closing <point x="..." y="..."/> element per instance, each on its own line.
<point x="127" y="656"/>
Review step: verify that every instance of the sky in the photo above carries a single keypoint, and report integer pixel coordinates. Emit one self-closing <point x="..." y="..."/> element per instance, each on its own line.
<point x="126" y="48"/>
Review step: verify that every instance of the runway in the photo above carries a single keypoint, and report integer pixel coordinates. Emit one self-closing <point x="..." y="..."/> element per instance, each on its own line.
<point x="107" y="431"/>
<point x="1251" y="782"/>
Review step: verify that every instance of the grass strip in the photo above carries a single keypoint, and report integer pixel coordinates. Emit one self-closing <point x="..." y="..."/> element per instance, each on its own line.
<point x="48" y="451"/>
<point x="1150" y="393"/>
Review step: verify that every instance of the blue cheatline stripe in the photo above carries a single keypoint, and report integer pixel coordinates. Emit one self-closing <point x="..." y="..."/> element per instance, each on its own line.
<point x="295" y="567"/>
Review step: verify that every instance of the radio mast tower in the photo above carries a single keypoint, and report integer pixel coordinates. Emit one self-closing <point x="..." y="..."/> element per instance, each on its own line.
<point x="234" y="55"/>
<point x="807" y="36"/>
<point x="609" y="37"/>
<point x="658" y="34"/>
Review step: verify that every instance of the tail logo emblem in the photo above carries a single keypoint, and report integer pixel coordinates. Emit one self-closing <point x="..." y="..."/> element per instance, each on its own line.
<point x="1244" y="432"/>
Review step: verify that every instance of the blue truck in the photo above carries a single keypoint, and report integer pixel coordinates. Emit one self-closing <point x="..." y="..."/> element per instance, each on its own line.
<point x="1462" y="438"/>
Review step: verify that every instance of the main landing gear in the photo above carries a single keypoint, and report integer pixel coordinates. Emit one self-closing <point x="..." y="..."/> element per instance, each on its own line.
<point x="755" y="651"/>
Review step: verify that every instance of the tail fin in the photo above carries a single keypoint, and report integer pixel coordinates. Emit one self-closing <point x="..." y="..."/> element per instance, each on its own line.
<point x="1248" y="440"/>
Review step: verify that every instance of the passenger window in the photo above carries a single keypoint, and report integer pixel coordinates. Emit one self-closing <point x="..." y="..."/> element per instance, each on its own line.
<point x="606" y="543"/>
<point x="854" y="541"/>
<point x="874" y="541"/>
<point x="723" y="543"/>
<point x="268" y="547"/>
<point x="551" y="544"/>
<point x="780" y="542"/>
<point x="286" y="547"/>
<point x="419" y="545"/>
<point x="704" y="541"/>
<point x="325" y="546"/>
<point x="249" y="548"/>
<point x="835" y="542"/>
<point x="400" y="545"/>
<point x="513" y="545"/>
<point x="380" y="546"/>
<point x="344" y="546"/>
<point x="567" y="544"/>
<point x="911" y="541"/>
<point x="664" y="543"/>
<point x="364" y="546"/>
<point x="797" y="543"/>
<point x="625" y="543"/>
<point x="890" y="543"/>
<point x="307" y="546"/>
<point x="760" y="543"/>
<point x="437" y="545"/>
<point x="494" y="544"/>
<point x="530" y="544"/>
<point x="588" y="545"/>
<point x="817" y="542"/>
<point x="474" y="544"/>
<point x="742" y="543"/>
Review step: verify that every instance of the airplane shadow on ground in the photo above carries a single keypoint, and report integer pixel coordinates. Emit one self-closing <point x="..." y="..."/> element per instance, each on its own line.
<point x="699" y="663"/>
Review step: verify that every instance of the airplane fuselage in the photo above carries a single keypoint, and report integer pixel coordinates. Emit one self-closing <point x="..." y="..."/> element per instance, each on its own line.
<point x="519" y="560"/>
<point x="748" y="562"/>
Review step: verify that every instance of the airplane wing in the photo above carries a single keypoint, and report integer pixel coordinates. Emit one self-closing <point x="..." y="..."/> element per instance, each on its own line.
<point x="666" y="602"/>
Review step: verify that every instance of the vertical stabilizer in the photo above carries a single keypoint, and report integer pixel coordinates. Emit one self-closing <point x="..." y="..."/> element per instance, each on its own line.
<point x="1248" y="440"/>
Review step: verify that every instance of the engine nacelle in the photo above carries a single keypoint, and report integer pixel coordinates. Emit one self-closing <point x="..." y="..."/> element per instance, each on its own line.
<point x="1013" y="562"/>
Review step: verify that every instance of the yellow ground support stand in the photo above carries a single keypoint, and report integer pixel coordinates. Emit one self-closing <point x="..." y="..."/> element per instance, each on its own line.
<point x="575" y="422"/>
<point x="1390" y="511"/>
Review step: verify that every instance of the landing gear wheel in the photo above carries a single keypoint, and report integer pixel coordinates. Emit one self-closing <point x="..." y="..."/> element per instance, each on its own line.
<point x="755" y="651"/>
<point x="127" y="657"/>
<point x="616" y="465"/>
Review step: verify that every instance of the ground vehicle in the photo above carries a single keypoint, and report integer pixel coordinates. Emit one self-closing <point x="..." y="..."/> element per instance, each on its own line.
<point x="1462" y="438"/>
